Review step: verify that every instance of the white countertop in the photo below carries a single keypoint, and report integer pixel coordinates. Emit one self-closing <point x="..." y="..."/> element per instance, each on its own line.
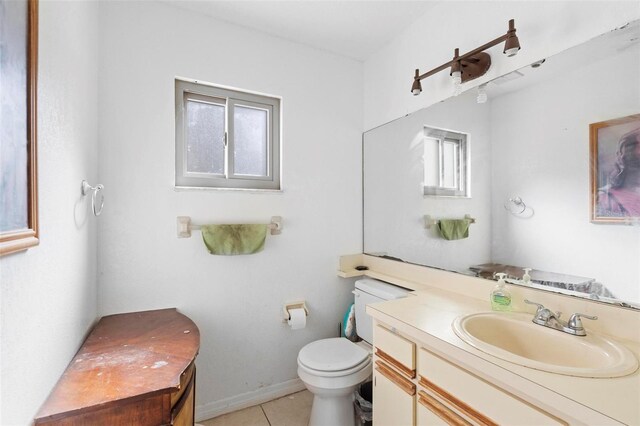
<point x="426" y="315"/>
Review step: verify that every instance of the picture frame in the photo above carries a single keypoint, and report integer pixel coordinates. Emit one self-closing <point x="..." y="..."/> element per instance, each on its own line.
<point x="615" y="170"/>
<point x="18" y="127"/>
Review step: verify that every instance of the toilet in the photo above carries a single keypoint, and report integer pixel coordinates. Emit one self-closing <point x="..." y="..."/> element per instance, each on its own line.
<point x="333" y="368"/>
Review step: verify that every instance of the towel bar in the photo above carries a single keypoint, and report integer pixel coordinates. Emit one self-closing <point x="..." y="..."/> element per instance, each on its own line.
<point x="429" y="221"/>
<point x="185" y="226"/>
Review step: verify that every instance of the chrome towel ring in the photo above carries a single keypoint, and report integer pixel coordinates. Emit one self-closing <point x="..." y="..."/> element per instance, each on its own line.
<point x="86" y="188"/>
<point x="515" y="205"/>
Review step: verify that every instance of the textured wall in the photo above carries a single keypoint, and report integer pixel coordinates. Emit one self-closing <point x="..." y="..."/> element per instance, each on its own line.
<point x="236" y="301"/>
<point x="48" y="293"/>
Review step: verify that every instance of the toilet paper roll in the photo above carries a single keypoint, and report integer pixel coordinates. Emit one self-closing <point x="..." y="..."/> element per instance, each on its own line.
<point x="298" y="319"/>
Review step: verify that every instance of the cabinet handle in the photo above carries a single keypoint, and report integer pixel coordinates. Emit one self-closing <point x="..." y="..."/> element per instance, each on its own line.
<point x="395" y="363"/>
<point x="441" y="410"/>
<point x="478" y="417"/>
<point x="400" y="381"/>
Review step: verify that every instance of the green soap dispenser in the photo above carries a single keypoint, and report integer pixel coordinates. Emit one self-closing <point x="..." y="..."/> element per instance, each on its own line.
<point x="500" y="296"/>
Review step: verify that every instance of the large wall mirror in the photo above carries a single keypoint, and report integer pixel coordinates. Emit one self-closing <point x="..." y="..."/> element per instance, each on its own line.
<point x="538" y="157"/>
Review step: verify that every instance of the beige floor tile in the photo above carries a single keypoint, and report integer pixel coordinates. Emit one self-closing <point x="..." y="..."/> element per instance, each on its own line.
<point x="291" y="410"/>
<point x="252" y="416"/>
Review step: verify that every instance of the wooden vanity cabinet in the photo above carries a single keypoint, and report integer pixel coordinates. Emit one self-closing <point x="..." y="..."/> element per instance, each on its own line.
<point x="133" y="369"/>
<point x="414" y="386"/>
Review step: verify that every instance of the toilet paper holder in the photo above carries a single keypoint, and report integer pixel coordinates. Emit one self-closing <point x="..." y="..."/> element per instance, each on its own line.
<point x="294" y="305"/>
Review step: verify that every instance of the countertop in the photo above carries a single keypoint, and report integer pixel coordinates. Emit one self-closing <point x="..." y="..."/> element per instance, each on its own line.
<point x="426" y="316"/>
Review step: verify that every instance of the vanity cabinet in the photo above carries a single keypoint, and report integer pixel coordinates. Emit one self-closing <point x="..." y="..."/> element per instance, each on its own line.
<point x="133" y="369"/>
<point x="471" y="398"/>
<point x="394" y="372"/>
<point x="415" y="386"/>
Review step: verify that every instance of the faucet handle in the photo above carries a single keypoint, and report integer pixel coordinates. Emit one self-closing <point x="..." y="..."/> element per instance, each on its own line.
<point x="539" y="305"/>
<point x="576" y="324"/>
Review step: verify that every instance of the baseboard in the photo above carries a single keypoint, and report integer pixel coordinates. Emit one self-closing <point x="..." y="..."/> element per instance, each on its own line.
<point x="249" y="399"/>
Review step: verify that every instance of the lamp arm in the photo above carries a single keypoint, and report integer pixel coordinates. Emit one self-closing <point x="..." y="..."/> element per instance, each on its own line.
<point x="510" y="32"/>
<point x="463" y="57"/>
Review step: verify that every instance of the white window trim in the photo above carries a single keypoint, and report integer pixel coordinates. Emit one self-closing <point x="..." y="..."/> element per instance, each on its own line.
<point x="231" y="97"/>
<point x="463" y="190"/>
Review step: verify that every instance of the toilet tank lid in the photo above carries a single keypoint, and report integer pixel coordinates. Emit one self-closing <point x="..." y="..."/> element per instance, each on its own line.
<point x="381" y="289"/>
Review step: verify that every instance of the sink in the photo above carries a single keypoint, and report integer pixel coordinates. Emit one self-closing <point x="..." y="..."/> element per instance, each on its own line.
<point x="513" y="337"/>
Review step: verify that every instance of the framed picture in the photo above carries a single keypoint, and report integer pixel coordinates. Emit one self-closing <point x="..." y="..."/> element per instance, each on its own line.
<point x="18" y="106"/>
<point x="615" y="170"/>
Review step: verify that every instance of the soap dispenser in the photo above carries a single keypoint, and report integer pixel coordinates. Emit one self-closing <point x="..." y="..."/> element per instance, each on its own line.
<point x="526" y="278"/>
<point x="500" y="296"/>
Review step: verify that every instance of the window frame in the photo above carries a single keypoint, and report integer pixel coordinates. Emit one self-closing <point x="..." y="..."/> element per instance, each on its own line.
<point x="462" y="172"/>
<point x="232" y="97"/>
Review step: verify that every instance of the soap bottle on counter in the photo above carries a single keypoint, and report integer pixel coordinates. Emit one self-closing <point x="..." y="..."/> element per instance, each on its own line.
<point x="500" y="296"/>
<point x="526" y="278"/>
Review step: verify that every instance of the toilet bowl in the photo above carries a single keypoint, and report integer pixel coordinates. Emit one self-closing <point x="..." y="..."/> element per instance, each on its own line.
<point x="332" y="369"/>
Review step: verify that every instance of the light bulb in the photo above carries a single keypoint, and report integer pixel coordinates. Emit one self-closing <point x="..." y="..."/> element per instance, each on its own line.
<point x="512" y="52"/>
<point x="416" y="92"/>
<point x="456" y="77"/>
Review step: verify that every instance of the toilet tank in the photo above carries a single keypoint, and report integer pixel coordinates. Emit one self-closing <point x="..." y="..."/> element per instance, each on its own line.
<point x="369" y="291"/>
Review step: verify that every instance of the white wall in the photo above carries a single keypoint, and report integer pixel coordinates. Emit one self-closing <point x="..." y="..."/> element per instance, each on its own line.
<point x="237" y="301"/>
<point x="543" y="28"/>
<point x="549" y="169"/>
<point x="48" y="293"/>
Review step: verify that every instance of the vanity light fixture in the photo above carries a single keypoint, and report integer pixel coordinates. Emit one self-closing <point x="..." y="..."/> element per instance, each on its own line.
<point x="473" y="64"/>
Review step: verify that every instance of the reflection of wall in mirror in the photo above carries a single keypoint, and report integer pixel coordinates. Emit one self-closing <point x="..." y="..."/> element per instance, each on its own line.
<point x="541" y="152"/>
<point x="394" y="174"/>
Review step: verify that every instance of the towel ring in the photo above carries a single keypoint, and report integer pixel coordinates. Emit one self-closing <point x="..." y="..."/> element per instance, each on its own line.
<point x="86" y="188"/>
<point x="515" y="205"/>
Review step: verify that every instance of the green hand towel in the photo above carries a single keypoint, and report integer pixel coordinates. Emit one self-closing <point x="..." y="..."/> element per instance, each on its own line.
<point x="454" y="229"/>
<point x="234" y="239"/>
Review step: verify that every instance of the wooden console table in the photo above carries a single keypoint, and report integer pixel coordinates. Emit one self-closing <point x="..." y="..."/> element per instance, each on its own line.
<point x="134" y="369"/>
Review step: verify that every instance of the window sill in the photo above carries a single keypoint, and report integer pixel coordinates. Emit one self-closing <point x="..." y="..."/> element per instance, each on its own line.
<point x="208" y="188"/>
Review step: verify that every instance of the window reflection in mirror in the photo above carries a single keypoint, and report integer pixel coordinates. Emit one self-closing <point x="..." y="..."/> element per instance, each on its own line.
<point x="446" y="172"/>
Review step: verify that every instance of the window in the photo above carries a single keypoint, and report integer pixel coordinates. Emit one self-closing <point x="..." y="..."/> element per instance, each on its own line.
<point x="446" y="163"/>
<point x="226" y="138"/>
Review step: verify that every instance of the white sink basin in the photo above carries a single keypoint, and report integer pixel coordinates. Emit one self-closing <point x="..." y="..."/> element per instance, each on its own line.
<point x="514" y="338"/>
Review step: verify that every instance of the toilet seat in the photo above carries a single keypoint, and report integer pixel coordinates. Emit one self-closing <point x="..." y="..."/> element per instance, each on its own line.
<point x="333" y="357"/>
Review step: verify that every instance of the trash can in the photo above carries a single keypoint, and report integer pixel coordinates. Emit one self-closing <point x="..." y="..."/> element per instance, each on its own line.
<point x="364" y="404"/>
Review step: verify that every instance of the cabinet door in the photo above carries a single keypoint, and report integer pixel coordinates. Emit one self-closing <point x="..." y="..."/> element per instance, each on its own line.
<point x="393" y="396"/>
<point x="431" y="411"/>
<point x="481" y="401"/>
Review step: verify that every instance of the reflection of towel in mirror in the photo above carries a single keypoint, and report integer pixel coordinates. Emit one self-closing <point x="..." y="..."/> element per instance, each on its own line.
<point x="234" y="239"/>
<point x="454" y="229"/>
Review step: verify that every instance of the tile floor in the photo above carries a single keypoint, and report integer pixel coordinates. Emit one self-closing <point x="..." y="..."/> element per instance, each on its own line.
<point x="290" y="410"/>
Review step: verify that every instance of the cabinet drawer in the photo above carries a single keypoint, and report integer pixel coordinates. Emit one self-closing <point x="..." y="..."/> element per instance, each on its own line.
<point x="489" y="404"/>
<point x="395" y="350"/>
<point x="394" y="398"/>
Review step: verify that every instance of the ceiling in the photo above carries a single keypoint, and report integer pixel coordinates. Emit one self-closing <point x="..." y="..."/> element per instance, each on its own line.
<point x="351" y="28"/>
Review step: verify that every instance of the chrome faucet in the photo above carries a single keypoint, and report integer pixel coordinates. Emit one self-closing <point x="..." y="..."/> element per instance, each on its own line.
<point x="547" y="318"/>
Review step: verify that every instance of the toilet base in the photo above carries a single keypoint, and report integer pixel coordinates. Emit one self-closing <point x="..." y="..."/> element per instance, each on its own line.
<point x="333" y="408"/>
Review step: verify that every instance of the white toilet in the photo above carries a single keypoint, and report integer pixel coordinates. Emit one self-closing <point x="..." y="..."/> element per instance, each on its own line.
<point x="333" y="368"/>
